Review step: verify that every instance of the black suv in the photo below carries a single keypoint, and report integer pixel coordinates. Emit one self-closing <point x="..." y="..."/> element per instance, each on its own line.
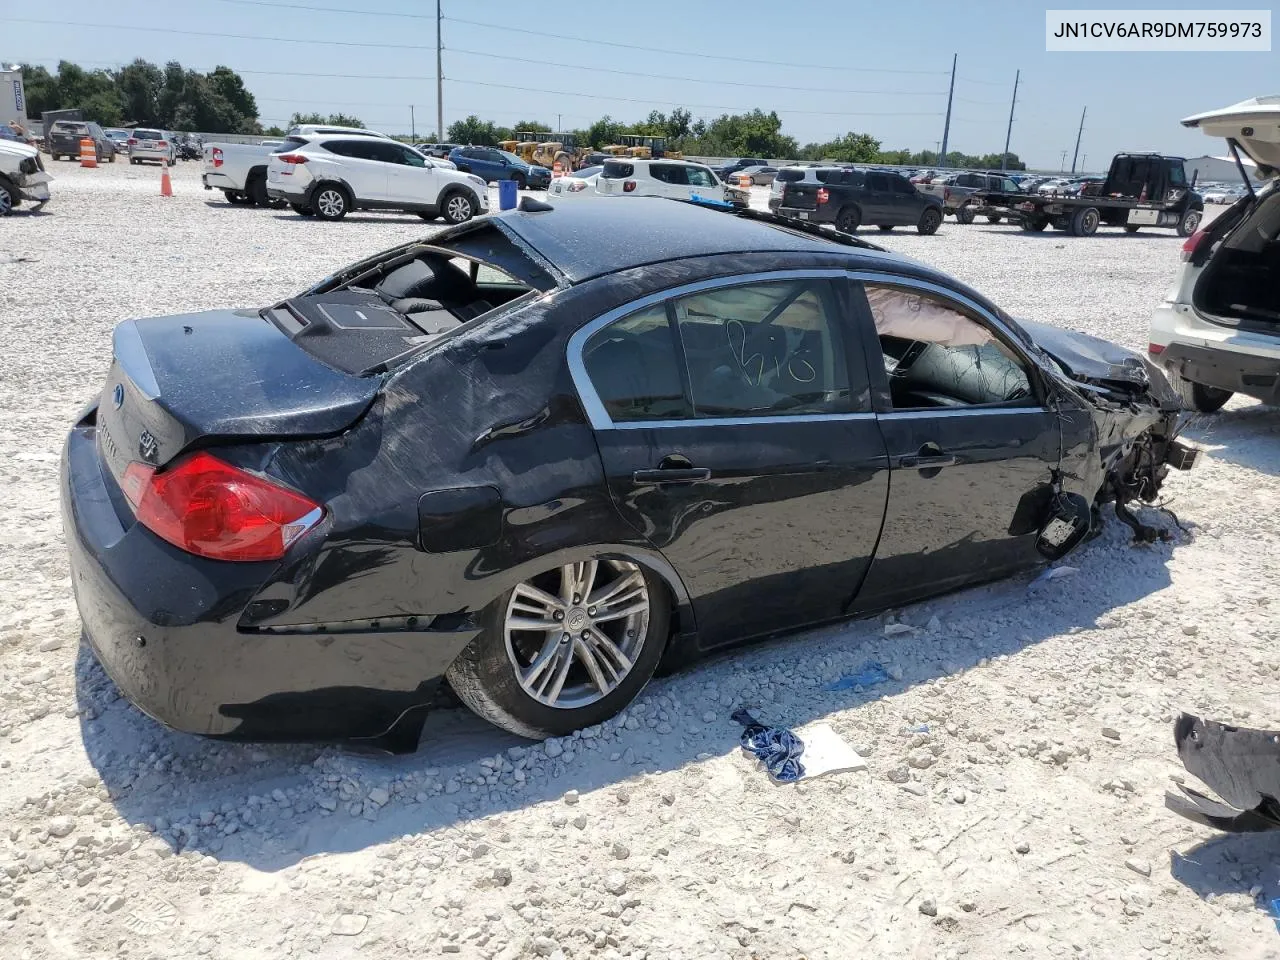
<point x="849" y="198"/>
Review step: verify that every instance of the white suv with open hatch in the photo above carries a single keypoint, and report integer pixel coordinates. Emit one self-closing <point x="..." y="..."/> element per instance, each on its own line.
<point x="328" y="176"/>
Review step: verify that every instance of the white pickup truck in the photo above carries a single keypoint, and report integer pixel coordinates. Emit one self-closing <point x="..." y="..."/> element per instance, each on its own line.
<point x="239" y="170"/>
<point x="22" y="177"/>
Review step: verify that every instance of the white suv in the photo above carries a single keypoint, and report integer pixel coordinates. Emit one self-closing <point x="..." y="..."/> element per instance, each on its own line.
<point x="329" y="175"/>
<point x="681" y="179"/>
<point x="311" y="129"/>
<point x="1218" y="330"/>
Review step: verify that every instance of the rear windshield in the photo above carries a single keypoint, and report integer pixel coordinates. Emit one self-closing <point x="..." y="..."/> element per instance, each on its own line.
<point x="617" y="170"/>
<point x="148" y="134"/>
<point x="290" y="143"/>
<point x="791" y="176"/>
<point x="67" y="126"/>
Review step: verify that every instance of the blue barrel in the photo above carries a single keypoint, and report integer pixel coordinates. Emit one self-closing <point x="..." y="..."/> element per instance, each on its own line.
<point x="507" y="194"/>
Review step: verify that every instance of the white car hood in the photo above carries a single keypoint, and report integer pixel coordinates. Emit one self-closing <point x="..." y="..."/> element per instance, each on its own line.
<point x="1254" y="124"/>
<point x="12" y="149"/>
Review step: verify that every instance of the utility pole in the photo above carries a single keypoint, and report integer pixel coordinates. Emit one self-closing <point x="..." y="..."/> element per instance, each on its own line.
<point x="559" y="126"/>
<point x="1079" y="134"/>
<point x="413" y="124"/>
<point x="439" y="78"/>
<point x="1062" y="165"/>
<point x="1083" y="158"/>
<point x="1004" y="157"/>
<point x="946" y="127"/>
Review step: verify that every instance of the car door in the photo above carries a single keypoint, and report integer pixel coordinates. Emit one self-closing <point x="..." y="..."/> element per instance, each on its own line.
<point x="735" y="431"/>
<point x="702" y="183"/>
<point x="878" y="205"/>
<point x="972" y="444"/>
<point x="409" y="179"/>
<point x="357" y="165"/>
<point x="667" y="180"/>
<point x="905" y="201"/>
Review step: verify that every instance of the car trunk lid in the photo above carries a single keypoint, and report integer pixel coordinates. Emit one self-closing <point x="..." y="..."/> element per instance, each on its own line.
<point x="1253" y="124"/>
<point x="801" y="196"/>
<point x="181" y="382"/>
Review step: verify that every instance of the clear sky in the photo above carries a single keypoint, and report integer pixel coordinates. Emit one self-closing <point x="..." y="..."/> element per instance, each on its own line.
<point x="826" y="68"/>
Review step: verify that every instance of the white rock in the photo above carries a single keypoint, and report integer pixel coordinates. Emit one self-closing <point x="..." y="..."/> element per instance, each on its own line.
<point x="61" y="826"/>
<point x="615" y="883"/>
<point x="545" y="946"/>
<point x="553" y="748"/>
<point x="570" y="797"/>
<point x="51" y="643"/>
<point x="1138" y="866"/>
<point x="379" y="797"/>
<point x="929" y="907"/>
<point x="349" y="924"/>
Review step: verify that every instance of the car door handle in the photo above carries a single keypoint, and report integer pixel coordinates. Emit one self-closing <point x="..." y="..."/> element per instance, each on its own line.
<point x="672" y="475"/>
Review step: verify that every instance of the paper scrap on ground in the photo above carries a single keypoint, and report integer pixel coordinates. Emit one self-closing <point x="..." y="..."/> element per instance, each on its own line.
<point x="870" y="674"/>
<point x="826" y="752"/>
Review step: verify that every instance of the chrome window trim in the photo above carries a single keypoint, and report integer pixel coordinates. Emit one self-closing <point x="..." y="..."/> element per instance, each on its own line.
<point x="590" y="400"/>
<point x="599" y="417"/>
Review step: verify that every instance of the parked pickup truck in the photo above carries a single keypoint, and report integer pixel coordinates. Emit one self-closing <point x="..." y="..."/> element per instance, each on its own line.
<point x="22" y="177"/>
<point x="957" y="193"/>
<point x="1141" y="190"/>
<point x="239" y="170"/>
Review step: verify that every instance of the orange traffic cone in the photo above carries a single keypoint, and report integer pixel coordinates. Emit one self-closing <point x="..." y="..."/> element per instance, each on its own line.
<point x="88" y="153"/>
<point x="166" y="187"/>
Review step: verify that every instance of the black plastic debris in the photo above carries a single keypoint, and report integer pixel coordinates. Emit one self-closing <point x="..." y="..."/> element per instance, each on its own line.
<point x="1241" y="765"/>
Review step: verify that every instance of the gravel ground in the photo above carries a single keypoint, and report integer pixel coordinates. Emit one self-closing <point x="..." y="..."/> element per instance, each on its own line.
<point x="1018" y="753"/>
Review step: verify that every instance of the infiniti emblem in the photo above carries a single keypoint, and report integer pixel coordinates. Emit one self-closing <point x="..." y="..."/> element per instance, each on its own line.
<point x="147" y="447"/>
<point x="117" y="395"/>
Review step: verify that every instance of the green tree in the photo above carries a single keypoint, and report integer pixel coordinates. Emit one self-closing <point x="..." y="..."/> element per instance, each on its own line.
<point x="604" y="131"/>
<point x="473" y="130"/>
<point x="532" y="126"/>
<point x="678" y="123"/>
<point x="851" y="148"/>
<point x="333" y="119"/>
<point x="139" y="85"/>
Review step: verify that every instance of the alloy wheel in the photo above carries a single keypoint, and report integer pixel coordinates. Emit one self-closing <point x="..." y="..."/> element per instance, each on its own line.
<point x="6" y="202"/>
<point x="330" y="203"/>
<point x="573" y="634"/>
<point x="458" y="209"/>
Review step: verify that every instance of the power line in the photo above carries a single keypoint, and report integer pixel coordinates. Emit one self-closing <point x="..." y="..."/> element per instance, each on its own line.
<point x="306" y="6"/>
<point x="727" y="83"/>
<point x="702" y="55"/>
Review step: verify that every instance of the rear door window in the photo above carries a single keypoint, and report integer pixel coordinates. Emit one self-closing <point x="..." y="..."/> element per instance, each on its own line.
<point x="635" y="368"/>
<point x="668" y="173"/>
<point x="901" y="184"/>
<point x="877" y="181"/>
<point x="617" y="170"/>
<point x="700" y="177"/>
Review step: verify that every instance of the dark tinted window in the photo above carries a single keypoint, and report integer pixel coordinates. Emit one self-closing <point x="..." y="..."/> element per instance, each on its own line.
<point x="901" y="184"/>
<point x="358" y="149"/>
<point x="877" y="181"/>
<point x="290" y="143"/>
<point x="791" y="176"/>
<point x="141" y="134"/>
<point x="764" y="349"/>
<point x="854" y="178"/>
<point x="1177" y="176"/>
<point x="635" y="369"/>
<point x="617" y="170"/>
<point x="668" y="173"/>
<point x="830" y="176"/>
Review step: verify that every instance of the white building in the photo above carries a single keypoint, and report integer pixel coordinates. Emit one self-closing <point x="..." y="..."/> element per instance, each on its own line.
<point x="1219" y="169"/>
<point x="13" y="103"/>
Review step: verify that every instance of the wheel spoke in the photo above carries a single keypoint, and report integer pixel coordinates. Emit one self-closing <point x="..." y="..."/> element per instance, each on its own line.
<point x="540" y="663"/>
<point x="588" y="657"/>
<point x="531" y="623"/>
<point x="529" y="599"/>
<point x="609" y="591"/>
<point x="624" y="610"/>
<point x="621" y="662"/>
<point x="561" y="673"/>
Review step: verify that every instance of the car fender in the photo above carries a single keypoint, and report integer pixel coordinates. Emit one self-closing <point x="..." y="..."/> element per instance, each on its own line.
<point x="328" y="180"/>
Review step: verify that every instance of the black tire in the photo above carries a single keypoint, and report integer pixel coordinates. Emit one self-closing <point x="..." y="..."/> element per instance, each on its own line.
<point x="994" y="218"/>
<point x="1188" y="225"/>
<point x="1084" y="222"/>
<point x="521" y="183"/>
<point x="930" y="221"/>
<point x="849" y="219"/>
<point x="457" y="207"/>
<point x="9" y="200"/>
<point x="965" y="215"/>
<point x="1132" y="227"/>
<point x="256" y="189"/>
<point x="485" y="680"/>
<point x="235" y="198"/>
<point x="112" y="158"/>
<point x="330" y="201"/>
<point x="1035" y="224"/>
<point x="884" y="227"/>
<point x="302" y="210"/>
<point x="1197" y="396"/>
<point x="134" y="160"/>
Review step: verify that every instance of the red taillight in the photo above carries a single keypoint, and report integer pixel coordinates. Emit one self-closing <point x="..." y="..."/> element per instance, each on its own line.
<point x="162" y="143"/>
<point x="1192" y="244"/>
<point x="823" y="195"/>
<point x="217" y="156"/>
<point x="946" y="193"/>
<point x="212" y="509"/>
<point x="291" y="158"/>
<point x="577" y="186"/>
<point x="1155" y="348"/>
<point x="628" y="186"/>
<point x="133" y="141"/>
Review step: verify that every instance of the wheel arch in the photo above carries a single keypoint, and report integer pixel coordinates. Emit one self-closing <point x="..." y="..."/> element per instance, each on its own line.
<point x="328" y="181"/>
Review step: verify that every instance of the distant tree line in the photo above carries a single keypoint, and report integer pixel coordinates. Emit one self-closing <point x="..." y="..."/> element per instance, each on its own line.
<point x="754" y="134"/>
<point x="145" y="95"/>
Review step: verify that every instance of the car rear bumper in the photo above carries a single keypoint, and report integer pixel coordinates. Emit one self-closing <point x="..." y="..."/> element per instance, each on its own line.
<point x="1213" y="355"/>
<point x="818" y="215"/>
<point x="218" y="181"/>
<point x="164" y="626"/>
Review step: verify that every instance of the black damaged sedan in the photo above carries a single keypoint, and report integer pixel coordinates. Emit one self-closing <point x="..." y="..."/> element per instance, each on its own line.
<point x="542" y="453"/>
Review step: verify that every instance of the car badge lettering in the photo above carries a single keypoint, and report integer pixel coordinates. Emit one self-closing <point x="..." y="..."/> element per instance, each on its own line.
<point x="148" y="448"/>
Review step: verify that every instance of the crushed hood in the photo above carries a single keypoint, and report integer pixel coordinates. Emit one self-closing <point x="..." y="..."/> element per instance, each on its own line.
<point x="1088" y="358"/>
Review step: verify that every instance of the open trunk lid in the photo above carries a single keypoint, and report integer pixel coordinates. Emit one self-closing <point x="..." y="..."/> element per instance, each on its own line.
<point x="1253" y="124"/>
<point x="180" y="382"/>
